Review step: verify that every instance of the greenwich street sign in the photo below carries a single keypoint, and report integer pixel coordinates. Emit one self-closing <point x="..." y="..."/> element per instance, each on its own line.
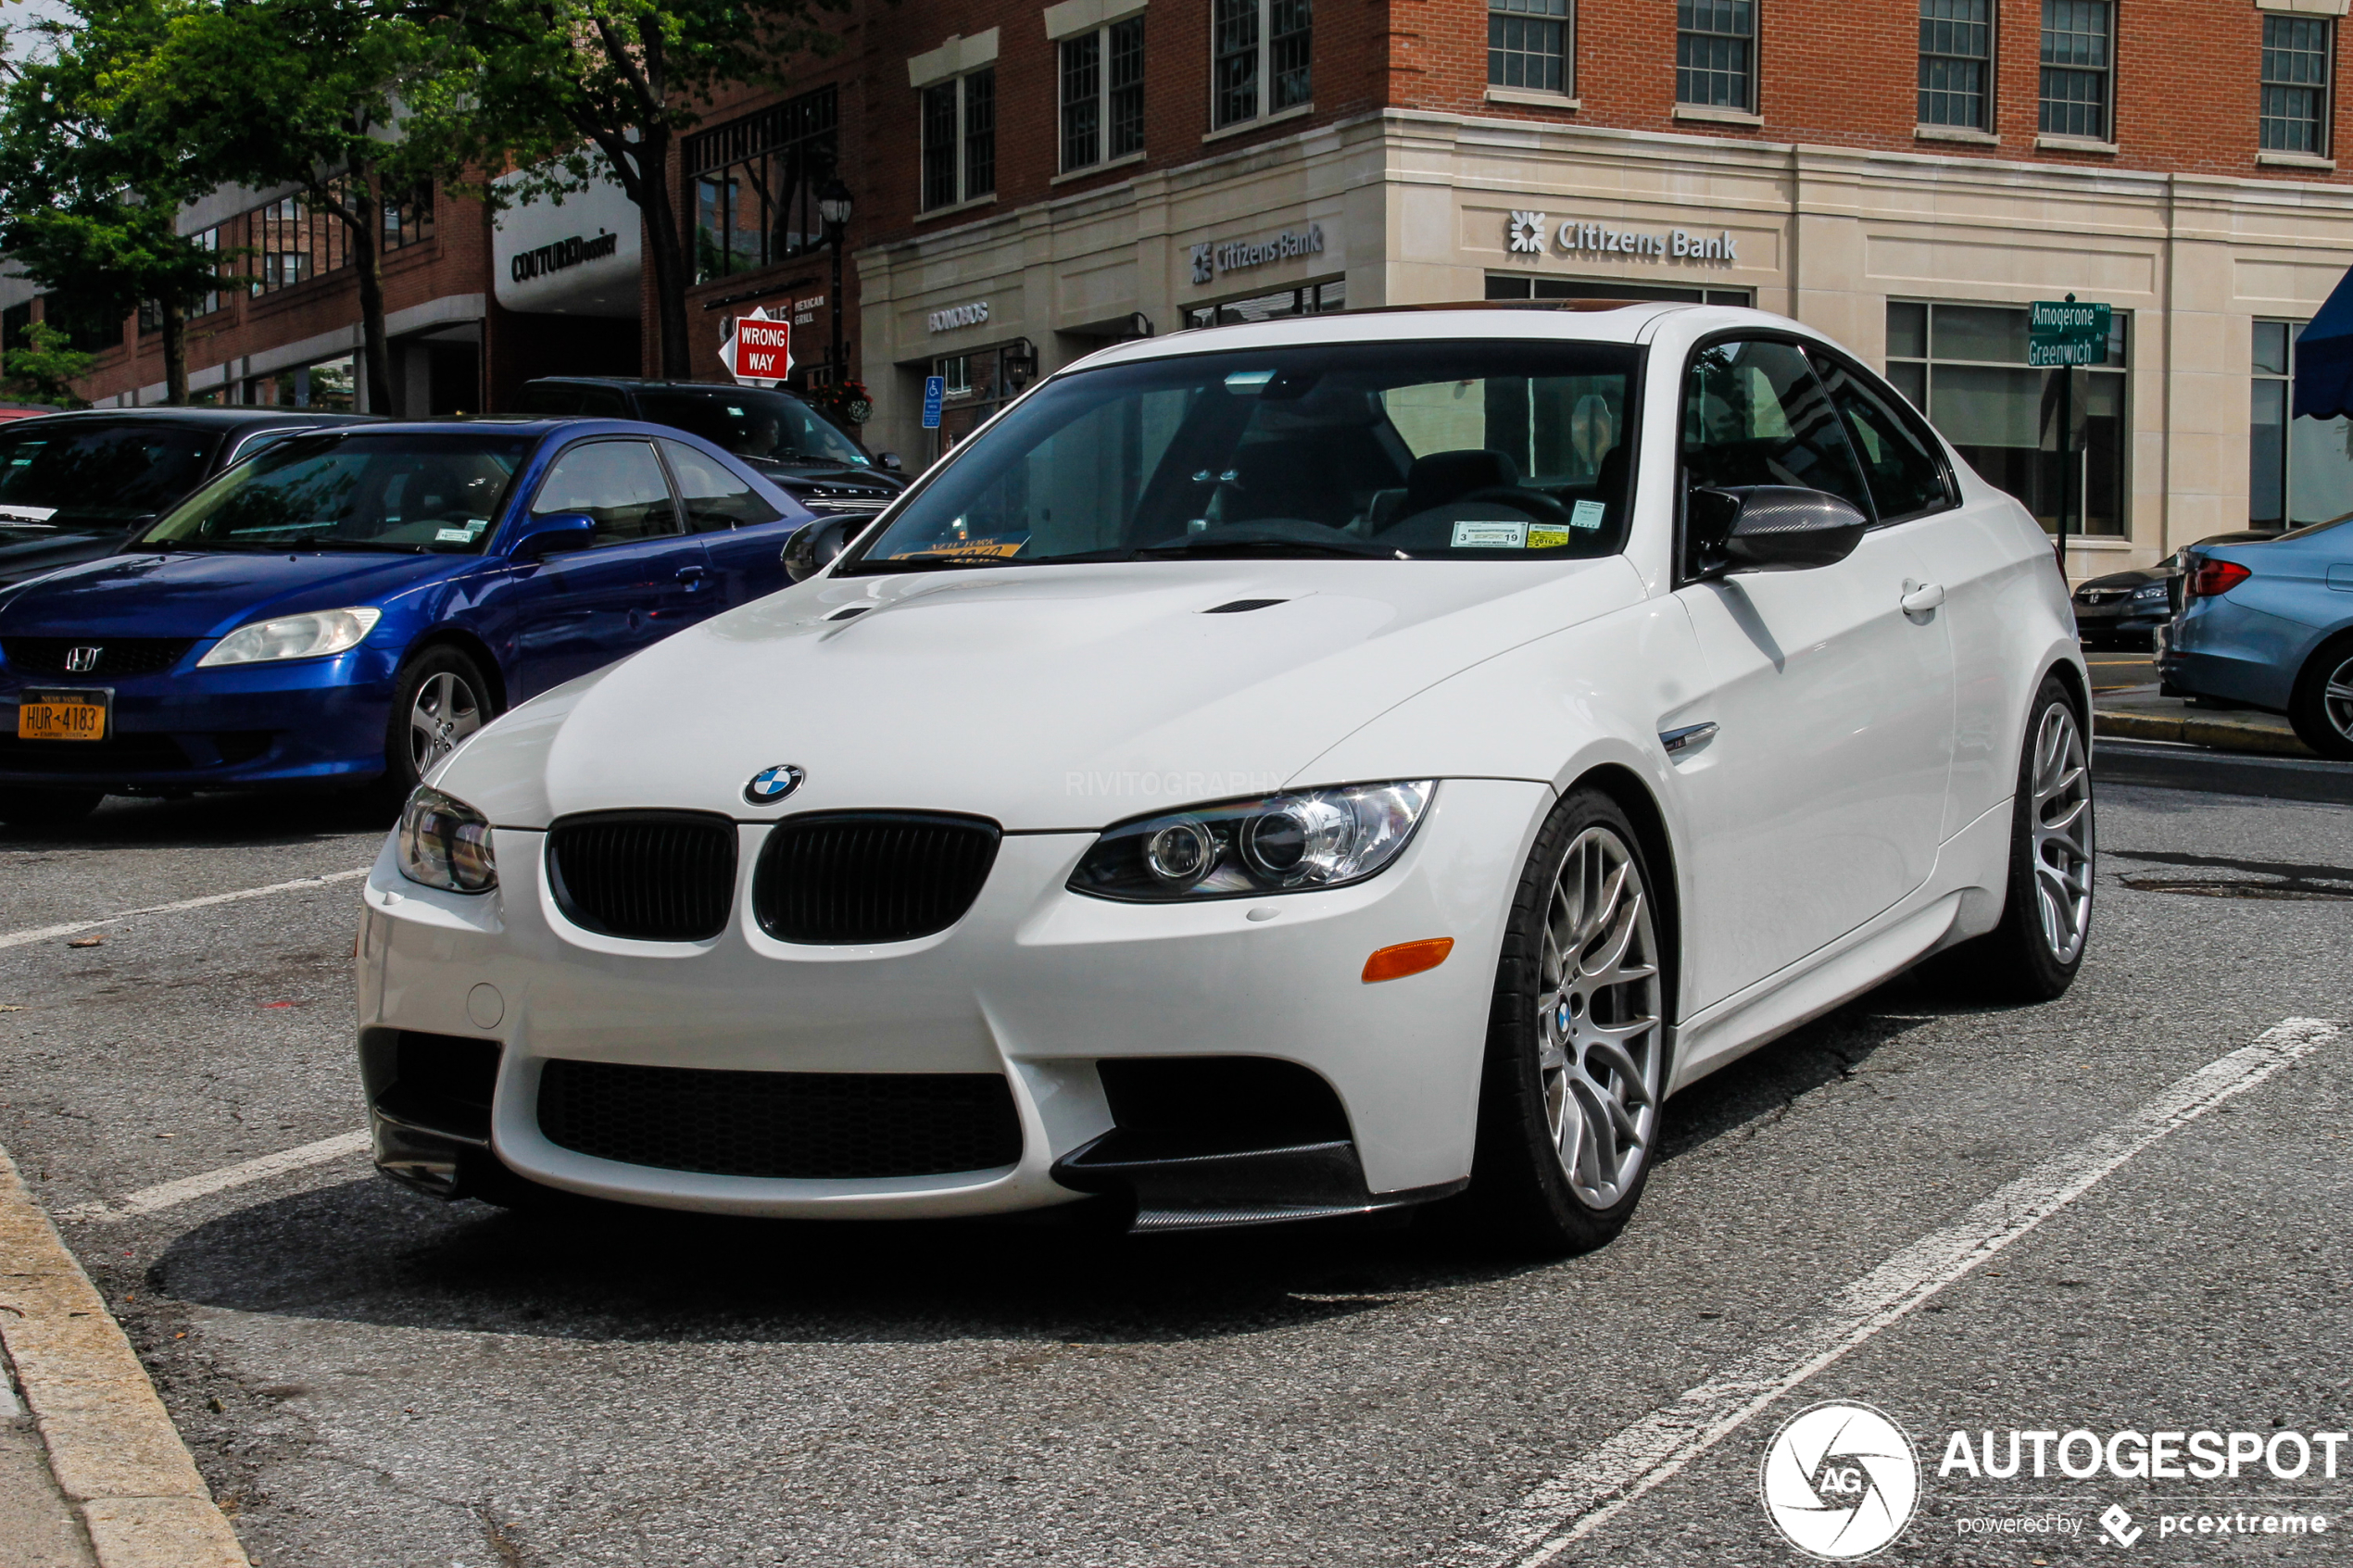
<point x="2064" y="332"/>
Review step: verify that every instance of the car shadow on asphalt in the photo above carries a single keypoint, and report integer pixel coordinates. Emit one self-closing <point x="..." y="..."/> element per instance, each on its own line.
<point x="366" y="1251"/>
<point x="208" y="821"/>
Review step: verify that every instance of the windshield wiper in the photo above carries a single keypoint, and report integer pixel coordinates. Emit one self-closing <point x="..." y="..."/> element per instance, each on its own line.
<point x="1209" y="545"/>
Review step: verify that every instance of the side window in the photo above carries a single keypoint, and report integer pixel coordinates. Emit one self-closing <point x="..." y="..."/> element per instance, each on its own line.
<point x="1900" y="463"/>
<point x="716" y="500"/>
<point x="618" y="482"/>
<point x="603" y="401"/>
<point x="1754" y="413"/>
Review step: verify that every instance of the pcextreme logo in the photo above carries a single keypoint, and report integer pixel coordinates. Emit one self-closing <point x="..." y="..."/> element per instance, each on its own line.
<point x="1840" y="1481"/>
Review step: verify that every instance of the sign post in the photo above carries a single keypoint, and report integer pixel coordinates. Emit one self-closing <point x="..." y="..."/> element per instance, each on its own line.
<point x="2066" y="336"/>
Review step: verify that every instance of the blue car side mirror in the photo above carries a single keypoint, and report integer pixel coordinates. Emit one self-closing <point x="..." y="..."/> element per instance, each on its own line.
<point x="553" y="534"/>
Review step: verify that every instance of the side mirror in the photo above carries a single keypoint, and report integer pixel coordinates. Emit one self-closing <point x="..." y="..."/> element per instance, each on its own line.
<point x="1774" y="528"/>
<point x="889" y="460"/>
<point x="553" y="534"/>
<point x="812" y="547"/>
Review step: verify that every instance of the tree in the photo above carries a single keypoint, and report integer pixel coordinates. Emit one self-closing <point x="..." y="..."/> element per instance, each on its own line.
<point x="90" y="194"/>
<point x="551" y="86"/>
<point x="41" y="368"/>
<point x="306" y="93"/>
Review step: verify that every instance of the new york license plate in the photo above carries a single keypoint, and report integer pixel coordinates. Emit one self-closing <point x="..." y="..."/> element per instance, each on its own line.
<point x="43" y="715"/>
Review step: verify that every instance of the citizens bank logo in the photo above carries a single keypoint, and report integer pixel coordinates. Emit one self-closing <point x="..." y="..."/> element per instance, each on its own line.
<point x="1840" y="1481"/>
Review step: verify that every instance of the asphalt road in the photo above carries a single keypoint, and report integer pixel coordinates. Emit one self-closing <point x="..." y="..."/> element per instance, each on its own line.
<point x="373" y="1380"/>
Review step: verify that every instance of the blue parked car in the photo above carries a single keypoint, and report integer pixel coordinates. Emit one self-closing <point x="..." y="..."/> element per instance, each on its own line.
<point x="2269" y="625"/>
<point x="347" y="606"/>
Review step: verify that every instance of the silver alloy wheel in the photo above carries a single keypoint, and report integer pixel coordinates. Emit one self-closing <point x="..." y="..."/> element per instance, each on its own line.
<point x="2336" y="699"/>
<point x="2062" y="830"/>
<point x="446" y="712"/>
<point x="1600" y="1046"/>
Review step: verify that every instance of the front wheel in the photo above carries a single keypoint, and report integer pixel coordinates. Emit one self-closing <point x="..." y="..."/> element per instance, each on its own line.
<point x="439" y="698"/>
<point x="2321" y="709"/>
<point x="1576" y="1066"/>
<point x="2047" y="911"/>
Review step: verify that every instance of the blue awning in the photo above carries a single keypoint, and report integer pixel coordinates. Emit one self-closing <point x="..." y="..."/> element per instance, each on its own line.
<point x="2324" y="358"/>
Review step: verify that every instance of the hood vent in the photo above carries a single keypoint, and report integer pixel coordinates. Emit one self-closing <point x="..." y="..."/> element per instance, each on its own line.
<point x="848" y="612"/>
<point x="1237" y="607"/>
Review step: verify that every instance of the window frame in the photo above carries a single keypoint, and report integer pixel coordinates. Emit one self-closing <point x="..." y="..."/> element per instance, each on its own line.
<point x="787" y="151"/>
<point x="2106" y="72"/>
<point x="1752" y="38"/>
<point x="680" y="529"/>
<point x="1104" y="100"/>
<point x="1911" y="418"/>
<point x="960" y="86"/>
<point x="1989" y="61"/>
<point x="1501" y="10"/>
<point x="2324" y="91"/>
<point x="1262" y="79"/>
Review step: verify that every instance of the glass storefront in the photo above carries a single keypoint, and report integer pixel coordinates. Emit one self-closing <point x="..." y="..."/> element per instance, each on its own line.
<point x="1964" y="365"/>
<point x="756" y="181"/>
<point x="2299" y="471"/>
<point x="1308" y="299"/>
<point x="1518" y="285"/>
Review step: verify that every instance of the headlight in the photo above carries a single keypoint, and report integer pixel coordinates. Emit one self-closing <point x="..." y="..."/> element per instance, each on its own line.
<point x="2155" y="593"/>
<point x="1277" y="844"/>
<point x="444" y="843"/>
<point x="313" y="636"/>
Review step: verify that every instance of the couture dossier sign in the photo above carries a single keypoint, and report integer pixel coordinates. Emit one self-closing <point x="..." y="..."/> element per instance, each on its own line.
<point x="1530" y="234"/>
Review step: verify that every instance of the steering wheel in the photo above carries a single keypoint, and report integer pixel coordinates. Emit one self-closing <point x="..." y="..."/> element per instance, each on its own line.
<point x="1543" y="506"/>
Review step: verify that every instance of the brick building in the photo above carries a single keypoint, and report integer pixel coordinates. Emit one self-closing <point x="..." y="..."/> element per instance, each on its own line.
<point x="1030" y="182"/>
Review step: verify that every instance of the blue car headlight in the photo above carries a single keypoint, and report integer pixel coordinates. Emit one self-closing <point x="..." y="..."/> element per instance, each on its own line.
<point x="444" y="843"/>
<point x="1298" y="842"/>
<point x="313" y="634"/>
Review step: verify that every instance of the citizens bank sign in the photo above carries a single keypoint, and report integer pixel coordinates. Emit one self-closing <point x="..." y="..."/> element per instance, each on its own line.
<point x="1528" y="233"/>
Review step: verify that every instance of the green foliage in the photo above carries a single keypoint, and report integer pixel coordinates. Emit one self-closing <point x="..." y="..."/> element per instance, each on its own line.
<point x="41" y="368"/>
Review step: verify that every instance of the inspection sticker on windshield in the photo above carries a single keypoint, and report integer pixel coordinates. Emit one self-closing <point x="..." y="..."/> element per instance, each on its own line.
<point x="466" y="535"/>
<point x="1547" y="538"/>
<point x="1587" y="514"/>
<point x="1490" y="536"/>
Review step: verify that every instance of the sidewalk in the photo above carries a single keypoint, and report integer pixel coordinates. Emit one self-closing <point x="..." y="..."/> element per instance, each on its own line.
<point x="2139" y="713"/>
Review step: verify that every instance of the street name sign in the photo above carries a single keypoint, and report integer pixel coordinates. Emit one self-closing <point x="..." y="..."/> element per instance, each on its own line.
<point x="2061" y="331"/>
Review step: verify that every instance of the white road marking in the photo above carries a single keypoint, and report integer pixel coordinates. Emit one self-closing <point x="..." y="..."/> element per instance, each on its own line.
<point x="146" y="1201"/>
<point x="1548" y="1518"/>
<point x="50" y="933"/>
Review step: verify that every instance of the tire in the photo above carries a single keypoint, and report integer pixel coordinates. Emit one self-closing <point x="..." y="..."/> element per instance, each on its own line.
<point x="1576" y="1064"/>
<point x="2033" y="954"/>
<point x="48" y="807"/>
<point x="2323" y="720"/>
<point x="439" y="698"/>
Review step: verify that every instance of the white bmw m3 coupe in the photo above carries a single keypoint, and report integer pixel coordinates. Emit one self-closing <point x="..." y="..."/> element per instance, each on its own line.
<point x="1269" y="772"/>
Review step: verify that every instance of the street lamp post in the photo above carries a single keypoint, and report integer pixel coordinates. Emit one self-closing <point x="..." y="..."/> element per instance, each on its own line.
<point x="833" y="205"/>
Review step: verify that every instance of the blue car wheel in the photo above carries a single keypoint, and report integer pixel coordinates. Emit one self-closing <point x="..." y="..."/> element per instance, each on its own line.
<point x="2321" y="708"/>
<point x="439" y="698"/>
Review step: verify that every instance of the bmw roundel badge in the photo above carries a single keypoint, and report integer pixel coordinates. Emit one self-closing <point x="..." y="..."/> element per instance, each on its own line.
<point x="772" y="784"/>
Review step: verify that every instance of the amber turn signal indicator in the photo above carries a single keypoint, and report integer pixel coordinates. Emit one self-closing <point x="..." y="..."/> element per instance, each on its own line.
<point x="1407" y="957"/>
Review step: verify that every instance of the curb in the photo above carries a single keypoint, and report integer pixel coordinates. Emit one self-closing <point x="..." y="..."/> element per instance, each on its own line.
<point x="2221" y="734"/>
<point x="112" y="1447"/>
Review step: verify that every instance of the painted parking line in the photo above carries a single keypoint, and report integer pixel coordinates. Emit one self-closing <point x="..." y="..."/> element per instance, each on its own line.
<point x="1557" y="1514"/>
<point x="146" y="1201"/>
<point x="50" y="933"/>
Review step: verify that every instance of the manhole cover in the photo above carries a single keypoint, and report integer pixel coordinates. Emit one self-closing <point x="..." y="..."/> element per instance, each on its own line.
<point x="2217" y="888"/>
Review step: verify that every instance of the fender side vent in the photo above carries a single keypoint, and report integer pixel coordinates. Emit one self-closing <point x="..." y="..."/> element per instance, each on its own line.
<point x="1237" y="607"/>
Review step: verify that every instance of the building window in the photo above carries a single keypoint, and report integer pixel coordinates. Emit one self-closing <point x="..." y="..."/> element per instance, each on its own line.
<point x="1518" y="285"/>
<point x="1715" y="54"/>
<point x="959" y="139"/>
<point x="1255" y="42"/>
<point x="1309" y="299"/>
<point x="1964" y="365"/>
<point x="1956" y="63"/>
<point x="1102" y="94"/>
<point x="756" y="181"/>
<point x="1527" y="44"/>
<point x="406" y="217"/>
<point x="2296" y="51"/>
<point x="2077" y="57"/>
<point x="2299" y="470"/>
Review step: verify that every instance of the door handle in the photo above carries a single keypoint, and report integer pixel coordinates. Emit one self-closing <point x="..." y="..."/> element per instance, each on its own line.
<point x="1921" y="598"/>
<point x="692" y="576"/>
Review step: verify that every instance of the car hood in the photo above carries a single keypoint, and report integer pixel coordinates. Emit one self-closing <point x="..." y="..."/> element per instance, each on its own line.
<point x="881" y="481"/>
<point x="1046" y="698"/>
<point x="2140" y="577"/>
<point x="29" y="552"/>
<point x="204" y="595"/>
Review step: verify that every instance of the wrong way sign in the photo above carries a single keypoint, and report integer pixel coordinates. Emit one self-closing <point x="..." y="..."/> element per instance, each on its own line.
<point x="759" y="350"/>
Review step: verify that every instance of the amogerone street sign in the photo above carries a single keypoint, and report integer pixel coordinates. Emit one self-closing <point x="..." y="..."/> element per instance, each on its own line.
<point x="2060" y="331"/>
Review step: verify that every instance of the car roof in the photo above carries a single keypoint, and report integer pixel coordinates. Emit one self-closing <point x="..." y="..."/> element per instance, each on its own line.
<point x="649" y="383"/>
<point x="211" y="419"/>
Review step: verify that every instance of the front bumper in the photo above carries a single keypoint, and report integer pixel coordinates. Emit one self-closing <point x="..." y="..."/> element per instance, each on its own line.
<point x="296" y="721"/>
<point x="1035" y="983"/>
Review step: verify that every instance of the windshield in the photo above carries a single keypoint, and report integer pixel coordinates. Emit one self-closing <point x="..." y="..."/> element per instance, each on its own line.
<point x="99" y="474"/>
<point x="1464" y="450"/>
<point x="753" y="421"/>
<point x="395" y="491"/>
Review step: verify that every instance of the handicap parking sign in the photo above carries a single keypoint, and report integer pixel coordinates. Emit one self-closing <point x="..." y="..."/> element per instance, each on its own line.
<point x="934" y="389"/>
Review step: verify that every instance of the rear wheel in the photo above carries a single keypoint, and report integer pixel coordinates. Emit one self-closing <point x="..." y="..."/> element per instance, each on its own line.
<point x="1575" y="1068"/>
<point x="2046" y="908"/>
<point x="440" y="698"/>
<point x="48" y="807"/>
<point x="2321" y="708"/>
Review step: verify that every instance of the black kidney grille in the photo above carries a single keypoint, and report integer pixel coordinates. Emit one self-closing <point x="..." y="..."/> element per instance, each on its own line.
<point x="871" y="876"/>
<point x="656" y="876"/>
<point x="116" y="655"/>
<point x="810" y="1125"/>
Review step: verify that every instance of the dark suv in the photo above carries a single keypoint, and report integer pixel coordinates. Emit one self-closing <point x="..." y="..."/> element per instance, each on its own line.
<point x="74" y="486"/>
<point x="792" y="446"/>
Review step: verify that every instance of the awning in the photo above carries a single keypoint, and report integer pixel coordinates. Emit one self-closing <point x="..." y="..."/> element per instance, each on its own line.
<point x="2324" y="358"/>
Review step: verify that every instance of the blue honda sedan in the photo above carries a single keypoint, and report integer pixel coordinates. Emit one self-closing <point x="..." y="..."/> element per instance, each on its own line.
<point x="347" y="606"/>
<point x="2269" y="625"/>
